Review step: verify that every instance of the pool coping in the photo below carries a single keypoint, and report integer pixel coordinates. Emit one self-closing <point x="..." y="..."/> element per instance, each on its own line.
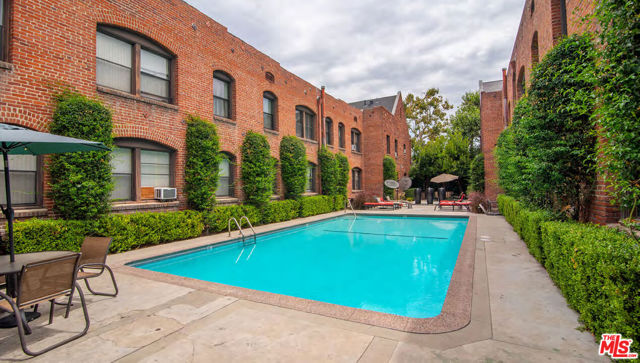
<point x="455" y="314"/>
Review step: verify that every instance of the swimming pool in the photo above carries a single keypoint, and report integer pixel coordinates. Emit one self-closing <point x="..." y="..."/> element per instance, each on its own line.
<point x="398" y="265"/>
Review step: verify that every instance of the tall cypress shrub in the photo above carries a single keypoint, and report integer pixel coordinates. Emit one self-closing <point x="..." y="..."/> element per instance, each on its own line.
<point x="81" y="182"/>
<point x="293" y="166"/>
<point x="343" y="174"/>
<point x="328" y="171"/>
<point x="202" y="166"/>
<point x="257" y="169"/>
<point x="389" y="172"/>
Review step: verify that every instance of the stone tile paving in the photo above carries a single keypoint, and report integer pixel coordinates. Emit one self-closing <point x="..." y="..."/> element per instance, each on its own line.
<point x="517" y="315"/>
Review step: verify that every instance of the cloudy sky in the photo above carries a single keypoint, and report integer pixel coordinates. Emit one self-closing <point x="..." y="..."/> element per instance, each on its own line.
<point x="364" y="49"/>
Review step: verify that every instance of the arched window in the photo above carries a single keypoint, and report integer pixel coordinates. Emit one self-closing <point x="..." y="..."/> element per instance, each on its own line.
<point x="328" y="131"/>
<point x="535" y="58"/>
<point x="341" y="137"/>
<point x="222" y="94"/>
<point x="532" y="7"/>
<point x="226" y="172"/>
<point x="356" y="179"/>
<point x="305" y="123"/>
<point x="4" y="30"/>
<point x="356" y="140"/>
<point x="140" y="166"/>
<point x="269" y="110"/>
<point x="132" y="63"/>
<point x="520" y="83"/>
<point x="311" y="178"/>
<point x="396" y="147"/>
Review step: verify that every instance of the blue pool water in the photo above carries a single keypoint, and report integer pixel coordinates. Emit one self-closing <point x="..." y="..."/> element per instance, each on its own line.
<point x="392" y="264"/>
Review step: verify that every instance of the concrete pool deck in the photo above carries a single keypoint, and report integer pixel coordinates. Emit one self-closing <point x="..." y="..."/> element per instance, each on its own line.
<point x="517" y="315"/>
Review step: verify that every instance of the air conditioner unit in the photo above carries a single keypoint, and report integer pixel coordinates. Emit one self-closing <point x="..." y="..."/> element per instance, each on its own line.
<point x="166" y="193"/>
<point x="354" y="148"/>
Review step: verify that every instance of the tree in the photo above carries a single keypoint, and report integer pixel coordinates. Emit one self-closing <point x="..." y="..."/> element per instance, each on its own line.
<point x="476" y="173"/>
<point x="343" y="173"/>
<point x="389" y="172"/>
<point x="328" y="171"/>
<point x="426" y="115"/>
<point x="293" y="166"/>
<point x="257" y="169"/>
<point x="466" y="120"/>
<point x="203" y="159"/>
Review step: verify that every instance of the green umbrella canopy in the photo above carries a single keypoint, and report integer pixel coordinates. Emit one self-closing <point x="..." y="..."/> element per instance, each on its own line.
<point x="20" y="141"/>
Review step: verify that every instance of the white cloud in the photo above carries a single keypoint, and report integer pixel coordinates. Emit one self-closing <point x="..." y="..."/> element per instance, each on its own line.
<point x="364" y="48"/>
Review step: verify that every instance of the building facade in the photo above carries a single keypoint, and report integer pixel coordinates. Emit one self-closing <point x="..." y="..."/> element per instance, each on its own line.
<point x="153" y="62"/>
<point x="542" y="25"/>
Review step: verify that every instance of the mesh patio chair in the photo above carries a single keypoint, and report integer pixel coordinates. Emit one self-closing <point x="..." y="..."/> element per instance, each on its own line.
<point x="45" y="281"/>
<point x="93" y="262"/>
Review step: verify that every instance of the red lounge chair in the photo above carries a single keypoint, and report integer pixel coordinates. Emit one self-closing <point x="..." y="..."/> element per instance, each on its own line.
<point x="379" y="203"/>
<point x="454" y="203"/>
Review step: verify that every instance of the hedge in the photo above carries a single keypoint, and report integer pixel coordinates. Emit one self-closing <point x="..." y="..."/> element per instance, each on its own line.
<point x="311" y="206"/>
<point x="597" y="268"/>
<point x="280" y="211"/>
<point x="217" y="220"/>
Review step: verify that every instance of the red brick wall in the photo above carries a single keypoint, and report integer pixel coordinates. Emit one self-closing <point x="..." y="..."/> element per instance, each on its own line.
<point x="53" y="44"/>
<point x="492" y="124"/>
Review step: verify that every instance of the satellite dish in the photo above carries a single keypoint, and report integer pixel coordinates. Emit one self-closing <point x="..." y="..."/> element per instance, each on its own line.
<point x="405" y="183"/>
<point x="391" y="184"/>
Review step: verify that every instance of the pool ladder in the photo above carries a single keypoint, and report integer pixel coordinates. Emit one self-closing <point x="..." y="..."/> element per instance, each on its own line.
<point x="348" y="204"/>
<point x="244" y="237"/>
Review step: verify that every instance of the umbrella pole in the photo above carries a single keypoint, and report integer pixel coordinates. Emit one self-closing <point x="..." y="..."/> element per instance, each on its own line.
<point x="8" y="211"/>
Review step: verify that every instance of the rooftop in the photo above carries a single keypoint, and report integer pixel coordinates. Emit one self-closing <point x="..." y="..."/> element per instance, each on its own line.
<point x="388" y="102"/>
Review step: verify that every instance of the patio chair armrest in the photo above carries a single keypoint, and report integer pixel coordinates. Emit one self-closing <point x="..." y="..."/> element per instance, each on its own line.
<point x="11" y="301"/>
<point x="92" y="265"/>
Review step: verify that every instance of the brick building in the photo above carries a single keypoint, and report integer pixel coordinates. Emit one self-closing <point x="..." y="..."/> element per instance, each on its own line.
<point x="542" y="25"/>
<point x="153" y="62"/>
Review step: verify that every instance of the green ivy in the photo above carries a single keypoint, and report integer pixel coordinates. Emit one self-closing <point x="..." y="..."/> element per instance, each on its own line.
<point x="293" y="166"/>
<point x="618" y="115"/>
<point x="257" y="169"/>
<point x="203" y="159"/>
<point x="476" y="173"/>
<point x="328" y="171"/>
<point x="343" y="174"/>
<point x="81" y="182"/>
<point x="389" y="172"/>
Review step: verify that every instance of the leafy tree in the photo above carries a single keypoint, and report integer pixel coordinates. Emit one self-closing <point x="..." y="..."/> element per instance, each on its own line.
<point x="203" y="157"/>
<point x="81" y="182"/>
<point x="618" y="115"/>
<point x="257" y="169"/>
<point x="343" y="174"/>
<point x="456" y="158"/>
<point x="389" y="172"/>
<point x="548" y="154"/>
<point x="293" y="166"/>
<point x="426" y="115"/>
<point x="476" y="173"/>
<point x="466" y="120"/>
<point x="328" y="171"/>
<point x="427" y="162"/>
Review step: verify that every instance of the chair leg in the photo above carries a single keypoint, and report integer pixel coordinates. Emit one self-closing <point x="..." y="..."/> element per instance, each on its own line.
<point x="53" y="304"/>
<point x="113" y="281"/>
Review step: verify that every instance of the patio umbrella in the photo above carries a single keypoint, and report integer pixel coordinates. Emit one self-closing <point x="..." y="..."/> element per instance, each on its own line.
<point x="444" y="178"/>
<point x="15" y="140"/>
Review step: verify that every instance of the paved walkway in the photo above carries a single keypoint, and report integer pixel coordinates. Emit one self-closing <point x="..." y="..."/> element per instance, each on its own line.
<point x="518" y="315"/>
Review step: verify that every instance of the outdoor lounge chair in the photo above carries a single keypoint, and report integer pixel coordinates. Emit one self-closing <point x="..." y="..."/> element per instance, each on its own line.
<point x="453" y="203"/>
<point x="45" y="281"/>
<point x="380" y="203"/>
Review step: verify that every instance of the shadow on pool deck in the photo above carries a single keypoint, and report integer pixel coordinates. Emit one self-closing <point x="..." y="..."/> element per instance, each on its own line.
<point x="517" y="315"/>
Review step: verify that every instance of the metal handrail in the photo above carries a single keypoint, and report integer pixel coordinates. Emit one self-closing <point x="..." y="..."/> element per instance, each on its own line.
<point x="250" y="226"/>
<point x="237" y="225"/>
<point x="348" y="204"/>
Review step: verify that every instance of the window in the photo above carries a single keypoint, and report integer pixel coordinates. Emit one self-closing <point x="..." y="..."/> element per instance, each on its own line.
<point x="396" y="147"/>
<point x="311" y="178"/>
<point x="23" y="176"/>
<point x="404" y="149"/>
<point x="535" y="57"/>
<point x="305" y="123"/>
<point x="221" y="94"/>
<point x="388" y="144"/>
<point x="341" y="135"/>
<point x="269" y="77"/>
<point x="121" y="56"/>
<point x="138" y="167"/>
<point x="4" y="30"/>
<point x="356" y="179"/>
<point x="328" y="131"/>
<point x="355" y="140"/>
<point x="520" y="86"/>
<point x="225" y="178"/>
<point x="269" y="110"/>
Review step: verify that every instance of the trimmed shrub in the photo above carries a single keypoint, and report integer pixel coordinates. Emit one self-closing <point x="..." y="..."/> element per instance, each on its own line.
<point x="328" y="171"/>
<point x="217" y="220"/>
<point x="410" y="193"/>
<point x="81" y="182"/>
<point x="311" y="206"/>
<point x="598" y="270"/>
<point x="293" y="166"/>
<point x="280" y="211"/>
<point x="339" y="202"/>
<point x="203" y="159"/>
<point x="129" y="231"/>
<point x="257" y="169"/>
<point x="343" y="174"/>
<point x="389" y="172"/>
<point x="476" y="173"/>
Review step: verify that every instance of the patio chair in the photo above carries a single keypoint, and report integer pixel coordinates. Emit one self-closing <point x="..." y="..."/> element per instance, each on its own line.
<point x="45" y="281"/>
<point x="380" y="203"/>
<point x="93" y="262"/>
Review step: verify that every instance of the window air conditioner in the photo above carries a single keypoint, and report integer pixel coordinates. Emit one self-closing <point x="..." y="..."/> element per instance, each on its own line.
<point x="353" y="148"/>
<point x="166" y="193"/>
